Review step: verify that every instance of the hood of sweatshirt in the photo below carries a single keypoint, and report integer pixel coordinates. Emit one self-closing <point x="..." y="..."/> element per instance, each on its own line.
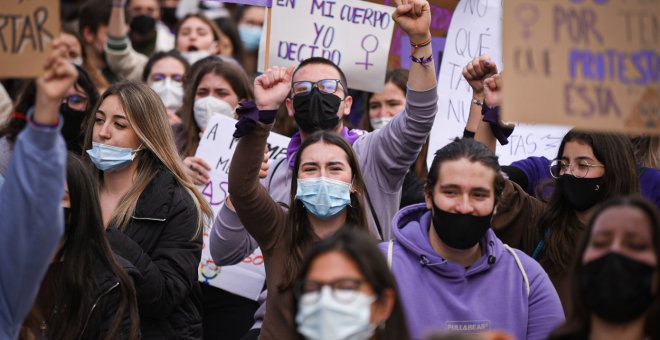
<point x="410" y="227"/>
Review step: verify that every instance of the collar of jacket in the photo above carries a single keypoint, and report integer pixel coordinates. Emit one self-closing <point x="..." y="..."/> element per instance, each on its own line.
<point x="157" y="199"/>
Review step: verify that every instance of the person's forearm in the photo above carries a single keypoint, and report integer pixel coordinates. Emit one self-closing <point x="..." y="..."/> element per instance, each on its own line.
<point x="117" y="25"/>
<point x="474" y="118"/>
<point x="422" y="76"/>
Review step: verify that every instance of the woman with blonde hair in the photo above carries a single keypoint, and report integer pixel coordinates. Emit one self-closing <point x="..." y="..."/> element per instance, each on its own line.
<point x="152" y="211"/>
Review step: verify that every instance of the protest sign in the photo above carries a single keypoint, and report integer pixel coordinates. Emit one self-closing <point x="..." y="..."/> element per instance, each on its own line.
<point x="355" y="35"/>
<point x="594" y="64"/>
<point x="476" y="30"/>
<point x="441" y="12"/>
<point x="217" y="148"/>
<point x="262" y="3"/>
<point x="27" y="30"/>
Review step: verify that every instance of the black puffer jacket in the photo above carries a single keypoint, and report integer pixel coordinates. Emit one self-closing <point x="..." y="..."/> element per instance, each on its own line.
<point x="160" y="241"/>
<point x="103" y="311"/>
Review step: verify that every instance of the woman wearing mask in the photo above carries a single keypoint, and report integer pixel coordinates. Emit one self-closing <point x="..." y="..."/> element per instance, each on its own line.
<point x="615" y="282"/>
<point x="216" y="86"/>
<point x="165" y="73"/>
<point x="346" y="291"/>
<point x="250" y="22"/>
<point x="326" y="193"/>
<point x="381" y="108"/>
<point x="196" y="37"/>
<point x="590" y="168"/>
<point x="76" y="109"/>
<point x="86" y="293"/>
<point x="154" y="214"/>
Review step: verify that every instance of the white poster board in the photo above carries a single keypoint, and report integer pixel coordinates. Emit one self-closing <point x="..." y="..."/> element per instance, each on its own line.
<point x="217" y="147"/>
<point x="476" y="29"/>
<point x="355" y="35"/>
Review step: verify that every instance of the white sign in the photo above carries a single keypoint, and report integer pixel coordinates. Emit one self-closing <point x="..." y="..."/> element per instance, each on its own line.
<point x="476" y="29"/>
<point x="217" y="147"/>
<point x="355" y="35"/>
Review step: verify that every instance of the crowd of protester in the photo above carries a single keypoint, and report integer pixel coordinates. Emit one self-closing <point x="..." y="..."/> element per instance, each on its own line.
<point x="102" y="218"/>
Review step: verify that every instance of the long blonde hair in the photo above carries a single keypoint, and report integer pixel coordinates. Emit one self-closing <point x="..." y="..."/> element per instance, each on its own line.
<point x="147" y="116"/>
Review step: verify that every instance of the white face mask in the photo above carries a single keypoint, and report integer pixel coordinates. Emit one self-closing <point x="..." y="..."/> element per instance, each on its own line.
<point x="378" y="123"/>
<point x="193" y="56"/>
<point x="170" y="92"/>
<point x="205" y="107"/>
<point x="329" y="319"/>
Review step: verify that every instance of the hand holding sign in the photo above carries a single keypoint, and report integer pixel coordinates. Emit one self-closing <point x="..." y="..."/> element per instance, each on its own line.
<point x="414" y="17"/>
<point x="476" y="71"/>
<point x="60" y="75"/>
<point x="272" y="87"/>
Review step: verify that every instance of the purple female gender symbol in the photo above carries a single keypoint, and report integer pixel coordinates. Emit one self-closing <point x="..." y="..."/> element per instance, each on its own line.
<point x="366" y="62"/>
<point x="527" y="15"/>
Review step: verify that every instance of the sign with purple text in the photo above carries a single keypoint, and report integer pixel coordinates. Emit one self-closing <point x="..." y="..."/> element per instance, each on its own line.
<point x="476" y="29"/>
<point x="262" y="3"/>
<point x="217" y="147"/>
<point x="354" y="34"/>
<point x="27" y="31"/>
<point x="589" y="63"/>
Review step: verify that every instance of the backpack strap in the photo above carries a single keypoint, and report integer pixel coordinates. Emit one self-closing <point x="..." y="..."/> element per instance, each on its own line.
<point x="520" y="266"/>
<point x="373" y="214"/>
<point x="390" y="252"/>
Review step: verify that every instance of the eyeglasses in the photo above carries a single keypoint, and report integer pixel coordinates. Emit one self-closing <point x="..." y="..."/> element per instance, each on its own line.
<point x="579" y="169"/>
<point x="343" y="290"/>
<point x="76" y="102"/>
<point x="329" y="86"/>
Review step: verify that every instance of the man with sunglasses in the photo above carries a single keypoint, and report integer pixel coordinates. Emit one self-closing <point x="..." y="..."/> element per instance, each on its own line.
<point x="315" y="95"/>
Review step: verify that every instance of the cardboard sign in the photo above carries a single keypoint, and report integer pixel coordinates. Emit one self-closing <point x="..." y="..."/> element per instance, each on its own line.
<point x="355" y="35"/>
<point x="27" y="30"/>
<point x="476" y="30"/>
<point x="589" y="63"/>
<point x="217" y="147"/>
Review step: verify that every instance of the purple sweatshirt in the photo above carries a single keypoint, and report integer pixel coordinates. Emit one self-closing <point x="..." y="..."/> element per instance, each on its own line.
<point x="491" y="294"/>
<point x="537" y="170"/>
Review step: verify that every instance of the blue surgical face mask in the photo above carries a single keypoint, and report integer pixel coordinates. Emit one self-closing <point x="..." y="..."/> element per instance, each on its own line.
<point x="323" y="197"/>
<point x="329" y="319"/>
<point x="108" y="158"/>
<point x="250" y="36"/>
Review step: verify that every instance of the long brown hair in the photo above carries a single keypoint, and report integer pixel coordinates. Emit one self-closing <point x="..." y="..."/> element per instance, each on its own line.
<point x="147" y="116"/>
<point x="232" y="73"/>
<point x="578" y="321"/>
<point x="300" y="233"/>
<point x="615" y="152"/>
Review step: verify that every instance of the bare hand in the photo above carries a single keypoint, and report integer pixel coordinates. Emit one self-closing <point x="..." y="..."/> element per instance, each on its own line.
<point x="477" y="70"/>
<point x="414" y="17"/>
<point x="197" y="169"/>
<point x="272" y="87"/>
<point x="263" y="172"/>
<point x="493" y="90"/>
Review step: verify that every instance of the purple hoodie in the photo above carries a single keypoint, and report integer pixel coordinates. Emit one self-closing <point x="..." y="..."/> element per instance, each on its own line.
<point x="491" y="294"/>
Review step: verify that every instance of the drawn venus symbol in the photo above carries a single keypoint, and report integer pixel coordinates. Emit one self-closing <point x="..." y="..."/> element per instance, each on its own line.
<point x="527" y="15"/>
<point x="367" y="41"/>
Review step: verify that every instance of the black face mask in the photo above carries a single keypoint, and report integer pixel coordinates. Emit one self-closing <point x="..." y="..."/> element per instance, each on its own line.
<point x="72" y="127"/>
<point x="617" y="288"/>
<point x="460" y="231"/>
<point x="168" y="16"/>
<point x="582" y="193"/>
<point x="316" y="111"/>
<point x="143" y="24"/>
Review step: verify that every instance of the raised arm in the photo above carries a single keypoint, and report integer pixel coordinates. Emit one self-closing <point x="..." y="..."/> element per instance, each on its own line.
<point x="391" y="150"/>
<point x="31" y="220"/>
<point x="258" y="212"/>
<point x="120" y="55"/>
